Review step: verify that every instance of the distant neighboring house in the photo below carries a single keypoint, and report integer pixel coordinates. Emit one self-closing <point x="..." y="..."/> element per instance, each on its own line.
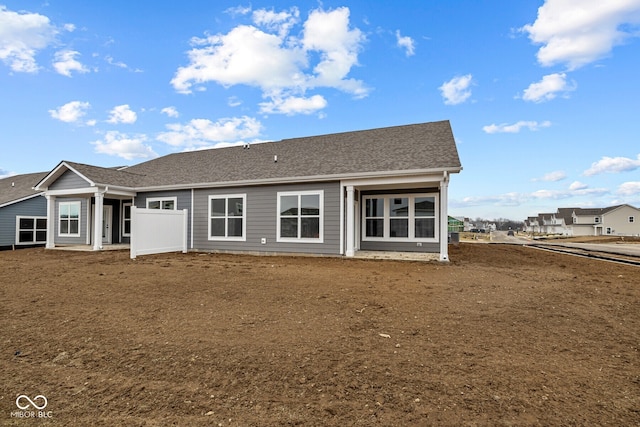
<point x="380" y="189"/>
<point x="456" y="224"/>
<point x="23" y="211"/>
<point x="619" y="220"/>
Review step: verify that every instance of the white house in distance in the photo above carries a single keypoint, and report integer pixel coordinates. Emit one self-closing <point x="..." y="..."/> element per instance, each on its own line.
<point x="619" y="220"/>
<point x="381" y="189"/>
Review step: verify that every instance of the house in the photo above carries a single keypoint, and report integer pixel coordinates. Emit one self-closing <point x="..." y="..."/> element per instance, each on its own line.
<point x="456" y="224"/>
<point x="23" y="211"/>
<point x="381" y="189"/>
<point x="619" y="220"/>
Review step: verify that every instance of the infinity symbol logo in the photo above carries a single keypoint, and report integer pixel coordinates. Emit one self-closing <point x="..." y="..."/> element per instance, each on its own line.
<point x="22" y="397"/>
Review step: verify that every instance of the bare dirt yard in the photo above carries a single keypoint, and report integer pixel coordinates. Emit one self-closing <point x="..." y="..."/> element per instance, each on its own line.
<point x="501" y="336"/>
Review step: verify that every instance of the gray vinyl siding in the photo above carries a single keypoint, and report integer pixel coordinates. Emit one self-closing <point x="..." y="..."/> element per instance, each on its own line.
<point x="183" y="198"/>
<point x="36" y="206"/>
<point x="84" y="217"/>
<point x="261" y="220"/>
<point x="67" y="181"/>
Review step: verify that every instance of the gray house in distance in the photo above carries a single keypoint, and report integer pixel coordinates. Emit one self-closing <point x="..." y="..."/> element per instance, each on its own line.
<point x="381" y="189"/>
<point x="23" y="211"/>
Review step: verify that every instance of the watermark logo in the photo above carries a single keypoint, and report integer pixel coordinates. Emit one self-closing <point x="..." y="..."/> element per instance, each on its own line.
<point x="31" y="408"/>
<point x="20" y="402"/>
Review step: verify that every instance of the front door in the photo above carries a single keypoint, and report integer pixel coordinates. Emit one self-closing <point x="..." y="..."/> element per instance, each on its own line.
<point x="107" y="211"/>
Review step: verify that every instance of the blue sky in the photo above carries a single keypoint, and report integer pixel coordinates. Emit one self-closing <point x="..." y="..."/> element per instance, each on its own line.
<point x="543" y="96"/>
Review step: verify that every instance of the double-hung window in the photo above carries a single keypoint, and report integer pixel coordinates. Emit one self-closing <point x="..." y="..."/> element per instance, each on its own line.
<point x="126" y="219"/>
<point x="227" y="217"/>
<point x="31" y="230"/>
<point x="169" y="203"/>
<point x="405" y="217"/>
<point x="69" y="219"/>
<point x="300" y="216"/>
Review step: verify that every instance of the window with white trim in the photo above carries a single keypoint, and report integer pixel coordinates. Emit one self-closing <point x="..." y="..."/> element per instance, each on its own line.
<point x="227" y="217"/>
<point x="168" y="203"/>
<point x="126" y="219"/>
<point x="632" y="219"/>
<point x="31" y="229"/>
<point x="403" y="217"/>
<point x="300" y="216"/>
<point x="69" y="219"/>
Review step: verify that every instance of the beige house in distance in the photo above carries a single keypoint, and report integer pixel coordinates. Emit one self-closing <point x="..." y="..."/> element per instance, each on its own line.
<point x="619" y="220"/>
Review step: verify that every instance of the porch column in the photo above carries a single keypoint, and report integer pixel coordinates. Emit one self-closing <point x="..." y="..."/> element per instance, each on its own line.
<point x="444" y="218"/>
<point x="97" y="221"/>
<point x="350" y="226"/>
<point x="51" y="221"/>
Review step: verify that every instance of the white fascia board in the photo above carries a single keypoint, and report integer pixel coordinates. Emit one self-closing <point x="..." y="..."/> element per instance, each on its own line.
<point x="303" y="179"/>
<point x="120" y="191"/>
<point x="21" y="199"/>
<point x="56" y="173"/>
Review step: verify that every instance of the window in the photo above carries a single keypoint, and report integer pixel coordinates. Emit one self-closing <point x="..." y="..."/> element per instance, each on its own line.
<point x="631" y="219"/>
<point x="400" y="217"/>
<point x="169" y="203"/>
<point x="300" y="216"/>
<point x="69" y="219"/>
<point x="596" y="220"/>
<point x="126" y="219"/>
<point x="227" y="217"/>
<point x="31" y="230"/>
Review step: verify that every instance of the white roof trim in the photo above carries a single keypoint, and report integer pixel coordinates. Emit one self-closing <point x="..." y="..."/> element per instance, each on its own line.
<point x="313" y="178"/>
<point x="55" y="173"/>
<point x="22" y="199"/>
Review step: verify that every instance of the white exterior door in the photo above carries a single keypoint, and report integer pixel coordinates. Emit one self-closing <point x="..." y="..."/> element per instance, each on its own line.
<point x="107" y="211"/>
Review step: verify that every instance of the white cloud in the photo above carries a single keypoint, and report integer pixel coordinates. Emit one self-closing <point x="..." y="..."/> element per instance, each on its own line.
<point x="552" y="177"/>
<point x="234" y="101"/>
<point x="204" y="132"/>
<point x="577" y="185"/>
<point x="280" y="22"/>
<point x="328" y="33"/>
<point x="629" y="188"/>
<point x="548" y="88"/>
<point x="578" y="32"/>
<point x="6" y="173"/>
<point x="267" y="56"/>
<point x="71" y="112"/>
<point x="122" y="114"/>
<point x="613" y="165"/>
<point x="69" y="27"/>
<point x="517" y="199"/>
<point x="515" y="127"/>
<point x="456" y="91"/>
<point x="293" y="105"/>
<point x="22" y="34"/>
<point x="170" y="111"/>
<point x="407" y="43"/>
<point x="122" y="145"/>
<point x="65" y="62"/>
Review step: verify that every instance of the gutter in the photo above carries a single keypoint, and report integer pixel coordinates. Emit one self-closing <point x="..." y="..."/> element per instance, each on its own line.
<point x="303" y="179"/>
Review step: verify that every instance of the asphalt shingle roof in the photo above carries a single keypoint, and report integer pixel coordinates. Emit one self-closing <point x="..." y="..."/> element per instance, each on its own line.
<point x="417" y="147"/>
<point x="426" y="146"/>
<point x="18" y="187"/>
